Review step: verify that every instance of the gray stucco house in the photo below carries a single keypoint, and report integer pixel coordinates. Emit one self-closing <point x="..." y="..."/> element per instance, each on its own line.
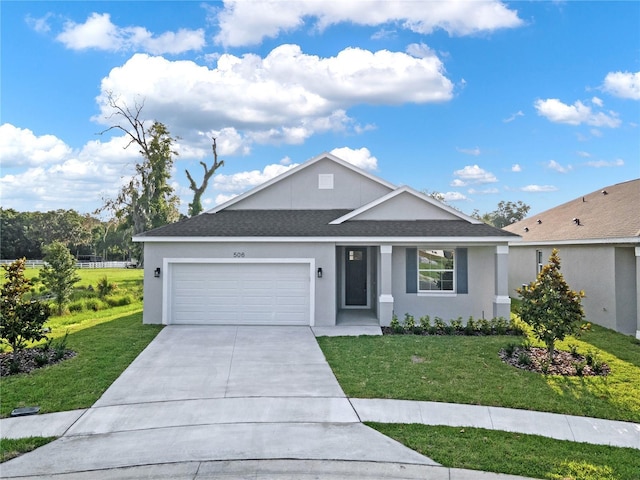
<point x="324" y="244"/>
<point x="598" y="239"/>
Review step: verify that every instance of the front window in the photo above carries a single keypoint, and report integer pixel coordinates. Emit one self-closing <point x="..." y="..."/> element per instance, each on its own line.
<point x="435" y="270"/>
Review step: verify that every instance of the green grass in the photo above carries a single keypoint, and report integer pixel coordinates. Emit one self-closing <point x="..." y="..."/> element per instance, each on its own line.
<point x="10" y="448"/>
<point x="468" y="370"/>
<point x="515" y="453"/>
<point x="106" y="342"/>
<point x="104" y="346"/>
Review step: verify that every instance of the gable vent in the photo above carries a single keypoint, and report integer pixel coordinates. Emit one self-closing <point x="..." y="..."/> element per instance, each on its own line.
<point x="325" y="181"/>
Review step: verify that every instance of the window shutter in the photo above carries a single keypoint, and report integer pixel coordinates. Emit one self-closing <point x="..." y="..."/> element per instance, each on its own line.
<point x="462" y="281"/>
<point x="412" y="270"/>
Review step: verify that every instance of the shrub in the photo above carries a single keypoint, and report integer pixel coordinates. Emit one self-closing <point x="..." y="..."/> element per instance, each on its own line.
<point x="105" y="288"/>
<point x="21" y="321"/>
<point x="119" y="301"/>
<point x="510" y="348"/>
<point x="457" y="325"/>
<point x="395" y="325"/>
<point x="485" y="326"/>
<point x="409" y="322"/>
<point x="550" y="307"/>
<point x="524" y="358"/>
<point x="425" y="323"/>
<point x="439" y="326"/>
<point x="470" y="328"/>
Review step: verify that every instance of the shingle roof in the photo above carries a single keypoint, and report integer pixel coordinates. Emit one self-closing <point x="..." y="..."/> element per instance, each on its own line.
<point x="314" y="223"/>
<point x="615" y="214"/>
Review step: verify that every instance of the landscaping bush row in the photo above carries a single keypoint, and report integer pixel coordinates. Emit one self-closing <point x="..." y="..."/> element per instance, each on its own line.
<point x="473" y="327"/>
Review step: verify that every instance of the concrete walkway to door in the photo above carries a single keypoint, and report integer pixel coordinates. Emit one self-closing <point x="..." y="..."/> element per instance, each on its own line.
<point x="219" y="394"/>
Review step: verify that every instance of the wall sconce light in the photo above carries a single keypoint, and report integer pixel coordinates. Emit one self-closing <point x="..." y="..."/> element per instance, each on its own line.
<point x="319" y="272"/>
<point x="156" y="272"/>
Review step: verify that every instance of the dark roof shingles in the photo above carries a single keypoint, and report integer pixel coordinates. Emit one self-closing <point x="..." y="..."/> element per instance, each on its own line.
<point x="315" y="223"/>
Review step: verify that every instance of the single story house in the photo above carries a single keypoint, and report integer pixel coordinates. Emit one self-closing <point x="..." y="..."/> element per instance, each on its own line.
<point x="598" y="239"/>
<point x="323" y="244"/>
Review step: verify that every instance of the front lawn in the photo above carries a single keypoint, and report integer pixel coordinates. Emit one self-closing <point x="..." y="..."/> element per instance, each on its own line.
<point x="468" y="370"/>
<point x="515" y="453"/>
<point x="106" y="342"/>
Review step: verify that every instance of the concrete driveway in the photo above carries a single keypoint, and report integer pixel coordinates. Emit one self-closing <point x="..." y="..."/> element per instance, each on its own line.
<point x="221" y="398"/>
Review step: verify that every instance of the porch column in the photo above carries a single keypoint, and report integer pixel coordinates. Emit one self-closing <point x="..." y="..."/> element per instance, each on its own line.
<point x="637" y="292"/>
<point x="501" y="301"/>
<point x="385" y="301"/>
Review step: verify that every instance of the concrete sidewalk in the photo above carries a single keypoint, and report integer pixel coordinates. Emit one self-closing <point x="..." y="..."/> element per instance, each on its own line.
<point x="259" y="402"/>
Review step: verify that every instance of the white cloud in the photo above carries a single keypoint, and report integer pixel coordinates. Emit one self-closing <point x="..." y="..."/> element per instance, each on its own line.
<point x="241" y="181"/>
<point x="20" y="147"/>
<point x="596" y="101"/>
<point x="285" y="97"/>
<point x="453" y="197"/>
<point x="58" y="176"/>
<point x="539" y="188"/>
<point x="516" y="167"/>
<point x="472" y="174"/>
<point x="246" y="23"/>
<point x="583" y="154"/>
<point x="553" y="165"/>
<point x="514" y="116"/>
<point x="40" y="25"/>
<point x="578" y="113"/>
<point x="603" y="163"/>
<point x="98" y="32"/>
<point x="623" y="84"/>
<point x="360" y="157"/>
<point x="469" y="151"/>
<point x="486" y="191"/>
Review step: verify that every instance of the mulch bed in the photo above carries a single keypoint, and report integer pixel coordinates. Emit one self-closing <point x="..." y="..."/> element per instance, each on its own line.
<point x="30" y="359"/>
<point x="564" y="363"/>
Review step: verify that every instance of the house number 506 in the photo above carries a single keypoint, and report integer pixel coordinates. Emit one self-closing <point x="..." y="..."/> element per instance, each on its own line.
<point x="238" y="254"/>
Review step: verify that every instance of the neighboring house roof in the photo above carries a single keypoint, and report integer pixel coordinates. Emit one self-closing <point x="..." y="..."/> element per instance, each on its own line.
<point x="315" y="223"/>
<point x="609" y="213"/>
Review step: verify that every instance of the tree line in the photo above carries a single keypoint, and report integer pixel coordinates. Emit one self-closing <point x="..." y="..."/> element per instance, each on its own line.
<point x="26" y="234"/>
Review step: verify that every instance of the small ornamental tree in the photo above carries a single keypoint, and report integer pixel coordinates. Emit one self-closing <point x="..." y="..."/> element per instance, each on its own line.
<point x="550" y="307"/>
<point x="59" y="273"/>
<point x="21" y="320"/>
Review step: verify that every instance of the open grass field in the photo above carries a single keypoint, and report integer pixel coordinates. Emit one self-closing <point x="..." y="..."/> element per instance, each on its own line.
<point x="515" y="453"/>
<point x="468" y="370"/>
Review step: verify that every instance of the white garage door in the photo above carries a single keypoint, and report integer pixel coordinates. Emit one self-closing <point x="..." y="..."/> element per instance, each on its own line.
<point x="240" y="293"/>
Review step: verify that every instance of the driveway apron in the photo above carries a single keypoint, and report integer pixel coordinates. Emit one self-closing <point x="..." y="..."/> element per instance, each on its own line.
<point x="217" y="393"/>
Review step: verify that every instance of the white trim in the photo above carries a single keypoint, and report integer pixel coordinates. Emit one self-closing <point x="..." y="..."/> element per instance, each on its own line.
<point x="502" y="249"/>
<point x="590" y="241"/>
<point x="294" y="170"/>
<point x="385" y="298"/>
<point x="637" y="251"/>
<point x="502" y="300"/>
<point x="439" y="293"/>
<point x="386" y="249"/>
<point x="460" y="241"/>
<point x="638" y="334"/>
<point x="167" y="272"/>
<point x="395" y="193"/>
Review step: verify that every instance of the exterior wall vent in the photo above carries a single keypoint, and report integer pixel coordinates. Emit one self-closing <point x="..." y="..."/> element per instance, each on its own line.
<point x="325" y="181"/>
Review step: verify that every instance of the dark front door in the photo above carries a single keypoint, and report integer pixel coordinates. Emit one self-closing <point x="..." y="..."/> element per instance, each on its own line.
<point x="355" y="276"/>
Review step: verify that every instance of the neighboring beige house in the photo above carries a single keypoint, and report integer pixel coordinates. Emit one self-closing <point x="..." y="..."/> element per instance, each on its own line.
<point x="325" y="243"/>
<point x="598" y="239"/>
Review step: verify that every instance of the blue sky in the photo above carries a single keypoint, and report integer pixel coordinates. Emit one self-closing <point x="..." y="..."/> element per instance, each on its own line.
<point x="481" y="101"/>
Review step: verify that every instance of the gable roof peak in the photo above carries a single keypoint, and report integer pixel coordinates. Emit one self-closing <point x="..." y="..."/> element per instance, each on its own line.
<point x="298" y="168"/>
<point x="411" y="191"/>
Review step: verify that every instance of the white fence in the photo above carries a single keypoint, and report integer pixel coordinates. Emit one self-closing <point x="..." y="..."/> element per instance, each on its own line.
<point x="40" y="263"/>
